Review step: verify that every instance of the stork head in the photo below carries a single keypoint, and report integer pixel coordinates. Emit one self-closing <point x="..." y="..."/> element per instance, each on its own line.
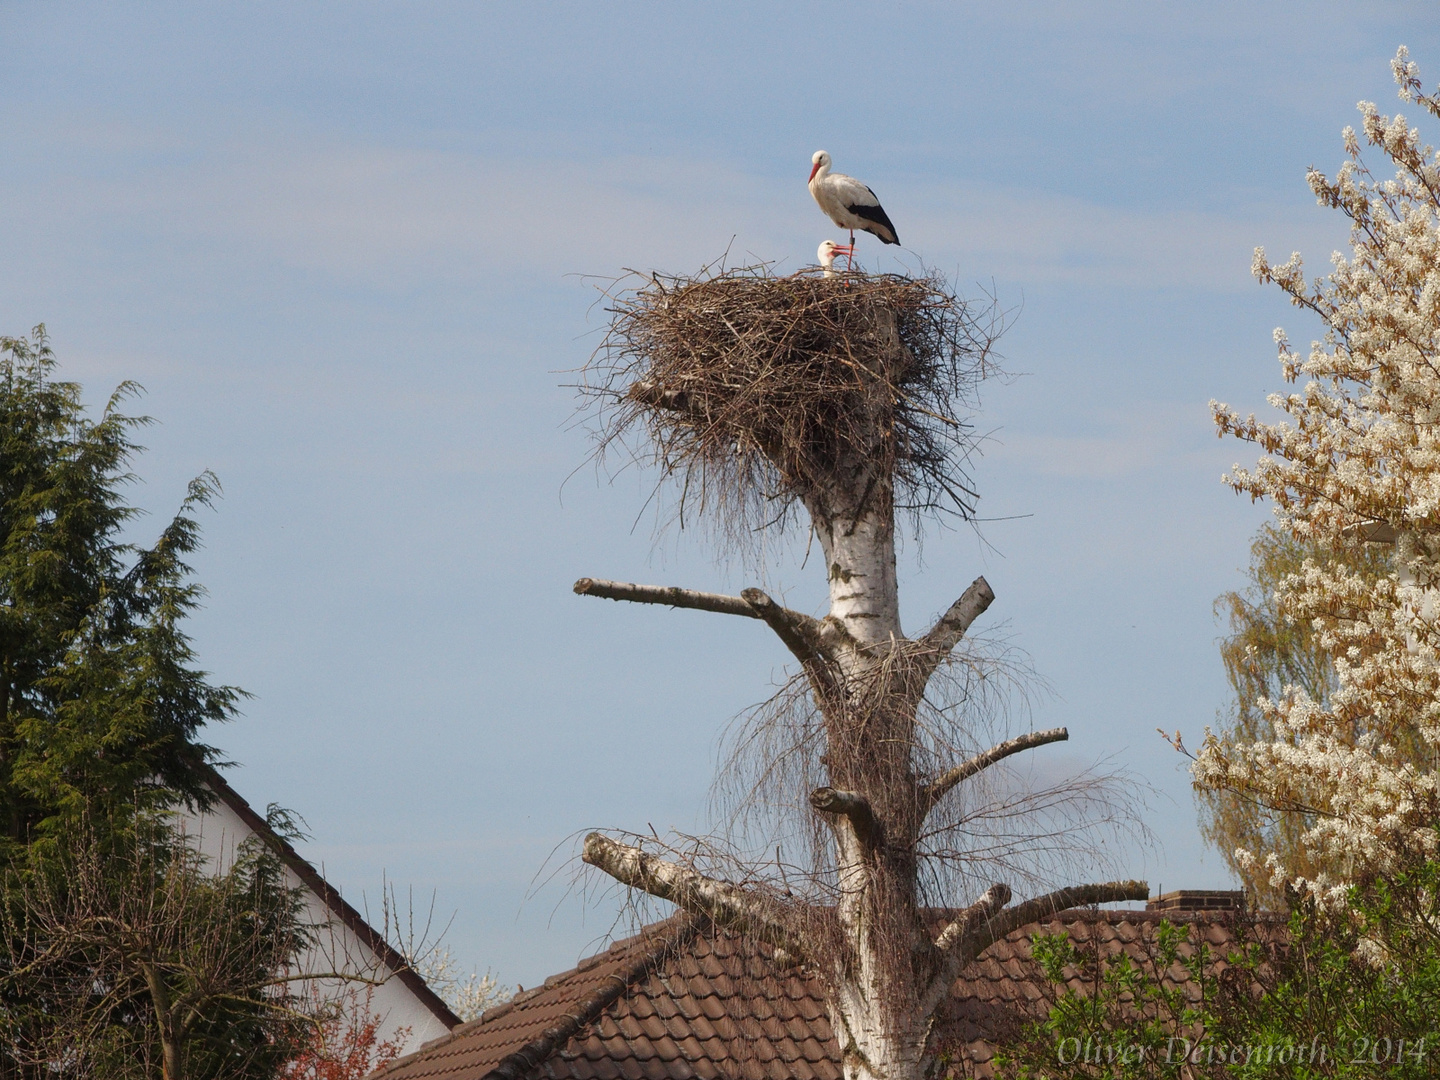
<point x="820" y="160"/>
<point x="827" y="252"/>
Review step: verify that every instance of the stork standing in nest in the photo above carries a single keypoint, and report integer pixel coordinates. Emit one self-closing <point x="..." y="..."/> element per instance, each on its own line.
<point x="849" y="203"/>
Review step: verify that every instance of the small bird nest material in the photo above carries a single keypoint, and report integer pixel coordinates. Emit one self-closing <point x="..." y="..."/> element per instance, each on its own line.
<point x="753" y="391"/>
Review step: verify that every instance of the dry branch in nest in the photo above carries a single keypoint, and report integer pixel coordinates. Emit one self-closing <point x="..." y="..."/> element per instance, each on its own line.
<point x="753" y="391"/>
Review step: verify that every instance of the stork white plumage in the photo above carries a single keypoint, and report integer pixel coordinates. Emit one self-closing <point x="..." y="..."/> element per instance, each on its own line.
<point x="849" y="203"/>
<point x="828" y="250"/>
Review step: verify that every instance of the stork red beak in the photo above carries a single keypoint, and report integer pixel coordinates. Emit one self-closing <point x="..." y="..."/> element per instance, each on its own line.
<point x="814" y="169"/>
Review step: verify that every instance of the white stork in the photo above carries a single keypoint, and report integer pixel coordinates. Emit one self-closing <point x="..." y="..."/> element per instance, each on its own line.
<point x="828" y="250"/>
<point x="848" y="202"/>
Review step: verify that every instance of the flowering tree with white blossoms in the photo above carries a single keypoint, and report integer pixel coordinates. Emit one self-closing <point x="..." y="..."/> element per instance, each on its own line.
<point x="1357" y="461"/>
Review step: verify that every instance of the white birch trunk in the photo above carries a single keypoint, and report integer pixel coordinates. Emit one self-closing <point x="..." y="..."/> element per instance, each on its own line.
<point x="890" y="972"/>
<point x="874" y="1003"/>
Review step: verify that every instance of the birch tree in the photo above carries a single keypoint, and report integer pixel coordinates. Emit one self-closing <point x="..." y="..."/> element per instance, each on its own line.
<point x="1356" y="460"/>
<point x="842" y="402"/>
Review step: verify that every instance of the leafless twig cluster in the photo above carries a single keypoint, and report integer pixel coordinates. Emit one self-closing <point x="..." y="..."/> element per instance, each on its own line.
<point x="750" y="390"/>
<point x="1021" y="820"/>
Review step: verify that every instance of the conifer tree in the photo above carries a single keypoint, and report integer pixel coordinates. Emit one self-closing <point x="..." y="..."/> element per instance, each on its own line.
<point x="121" y="952"/>
<point x="101" y="704"/>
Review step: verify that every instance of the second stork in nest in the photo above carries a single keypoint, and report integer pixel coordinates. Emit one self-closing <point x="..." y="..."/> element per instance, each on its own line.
<point x="828" y="250"/>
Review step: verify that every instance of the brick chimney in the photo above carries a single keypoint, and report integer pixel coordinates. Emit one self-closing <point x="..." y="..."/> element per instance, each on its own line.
<point x="1198" y="900"/>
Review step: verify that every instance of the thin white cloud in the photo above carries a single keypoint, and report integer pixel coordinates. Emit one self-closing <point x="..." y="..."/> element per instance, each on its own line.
<point x="1041" y="236"/>
<point x="403" y="218"/>
<point x="1153" y="436"/>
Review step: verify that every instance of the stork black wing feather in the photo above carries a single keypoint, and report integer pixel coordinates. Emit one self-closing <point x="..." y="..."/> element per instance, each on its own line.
<point x="877" y="215"/>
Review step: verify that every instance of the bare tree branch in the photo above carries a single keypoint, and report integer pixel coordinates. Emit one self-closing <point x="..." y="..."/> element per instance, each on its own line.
<point x="983" y="923"/>
<point x="725" y="904"/>
<point x="987" y="932"/>
<point x="941" y="638"/>
<point x="852" y="805"/>
<point x="995" y="898"/>
<point x="662" y="594"/>
<point x="801" y="634"/>
<point x="961" y="929"/>
<point x="937" y="788"/>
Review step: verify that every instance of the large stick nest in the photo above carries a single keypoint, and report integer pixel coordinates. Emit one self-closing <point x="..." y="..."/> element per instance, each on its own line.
<point x="755" y="391"/>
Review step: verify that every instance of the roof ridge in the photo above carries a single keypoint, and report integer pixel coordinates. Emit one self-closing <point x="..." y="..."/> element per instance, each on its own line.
<point x="663" y="936"/>
<point x="516" y="1065"/>
<point x="400" y="967"/>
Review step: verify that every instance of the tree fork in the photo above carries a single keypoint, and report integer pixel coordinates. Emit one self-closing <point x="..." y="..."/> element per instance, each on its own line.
<point x="988" y="920"/>
<point x="971" y="943"/>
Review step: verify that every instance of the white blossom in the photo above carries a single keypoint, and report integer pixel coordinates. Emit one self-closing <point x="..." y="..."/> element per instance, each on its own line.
<point x="1357" y="455"/>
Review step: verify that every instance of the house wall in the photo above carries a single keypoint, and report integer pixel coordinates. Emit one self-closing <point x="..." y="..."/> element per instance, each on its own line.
<point x="218" y="831"/>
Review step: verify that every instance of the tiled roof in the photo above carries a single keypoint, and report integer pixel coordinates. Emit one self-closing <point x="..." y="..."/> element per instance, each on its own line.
<point x="674" y="1003"/>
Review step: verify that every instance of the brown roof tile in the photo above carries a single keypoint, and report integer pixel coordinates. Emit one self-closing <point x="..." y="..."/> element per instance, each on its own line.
<point x="712" y="1007"/>
<point x="702" y="1028"/>
<point x="674" y="1004"/>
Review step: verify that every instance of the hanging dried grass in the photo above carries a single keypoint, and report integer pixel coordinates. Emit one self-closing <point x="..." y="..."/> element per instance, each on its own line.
<point x="753" y="391"/>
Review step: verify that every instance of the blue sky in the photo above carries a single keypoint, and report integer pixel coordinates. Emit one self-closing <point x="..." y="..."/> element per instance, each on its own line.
<point x="344" y="247"/>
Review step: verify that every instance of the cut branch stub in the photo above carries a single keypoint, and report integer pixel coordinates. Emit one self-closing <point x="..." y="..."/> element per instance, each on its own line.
<point x="666" y="594"/>
<point x="852" y="805"/>
<point x="941" y="639"/>
<point x="727" y="905"/>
